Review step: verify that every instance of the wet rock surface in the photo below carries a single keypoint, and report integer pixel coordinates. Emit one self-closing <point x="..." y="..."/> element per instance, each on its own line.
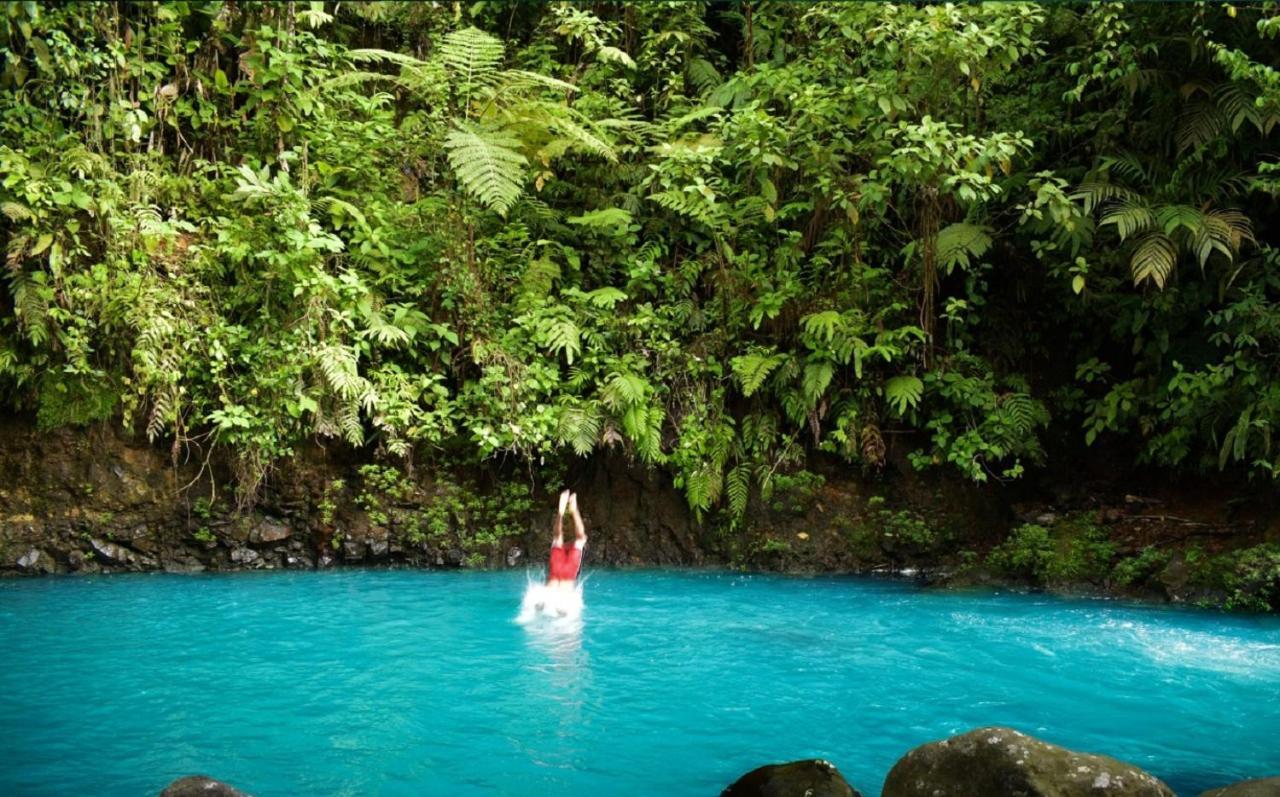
<point x="809" y="778"/>
<point x="1002" y="761"/>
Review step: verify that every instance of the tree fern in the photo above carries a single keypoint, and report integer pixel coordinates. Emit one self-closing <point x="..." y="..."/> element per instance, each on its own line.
<point x="487" y="165"/>
<point x="472" y="57"/>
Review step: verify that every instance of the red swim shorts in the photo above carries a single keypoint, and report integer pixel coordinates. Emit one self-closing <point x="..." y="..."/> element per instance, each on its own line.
<point x="565" y="562"/>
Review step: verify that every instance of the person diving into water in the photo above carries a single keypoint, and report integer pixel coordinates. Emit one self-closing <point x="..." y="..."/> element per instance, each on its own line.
<point x="560" y="596"/>
<point x="566" y="560"/>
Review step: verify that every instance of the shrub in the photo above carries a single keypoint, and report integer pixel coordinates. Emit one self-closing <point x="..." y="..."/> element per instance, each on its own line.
<point x="1074" y="551"/>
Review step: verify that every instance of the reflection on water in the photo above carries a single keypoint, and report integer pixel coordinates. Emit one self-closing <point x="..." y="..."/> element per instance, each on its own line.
<point x="553" y="625"/>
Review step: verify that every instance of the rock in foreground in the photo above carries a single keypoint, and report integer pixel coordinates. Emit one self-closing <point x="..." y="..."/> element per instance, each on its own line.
<point x="1263" y="787"/>
<point x="1001" y="762"/>
<point x="811" y="778"/>
<point x="200" y="786"/>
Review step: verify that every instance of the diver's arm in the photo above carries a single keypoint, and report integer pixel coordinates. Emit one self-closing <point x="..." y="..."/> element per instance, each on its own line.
<point x="579" y="530"/>
<point x="557" y="526"/>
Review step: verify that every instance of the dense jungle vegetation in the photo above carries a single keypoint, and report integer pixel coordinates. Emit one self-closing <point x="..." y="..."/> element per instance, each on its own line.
<point x="719" y="236"/>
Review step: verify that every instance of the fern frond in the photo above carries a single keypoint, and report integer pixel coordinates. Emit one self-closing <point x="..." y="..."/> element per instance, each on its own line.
<point x="487" y="165"/>
<point x="739" y="489"/>
<point x="690" y="203"/>
<point x="520" y="78"/>
<point x="339" y="365"/>
<point x="538" y="278"/>
<point x="703" y="75"/>
<point x="349" y="423"/>
<point x="624" y="390"/>
<point x="564" y="337"/>
<point x="580" y="137"/>
<point x="822" y="325"/>
<point x="605" y="298"/>
<point x="472" y="57"/>
<point x="614" y="55"/>
<point x="753" y="369"/>
<point x="612" y="220"/>
<point x="643" y="426"/>
<point x="580" y="426"/>
<point x="374" y="55"/>
<point x="817" y="376"/>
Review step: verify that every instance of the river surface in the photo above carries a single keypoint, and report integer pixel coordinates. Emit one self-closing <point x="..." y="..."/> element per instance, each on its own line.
<point x="674" y="683"/>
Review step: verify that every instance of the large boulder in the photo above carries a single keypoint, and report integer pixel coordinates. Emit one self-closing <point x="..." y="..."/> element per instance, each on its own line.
<point x="811" y="778"/>
<point x="1263" y="787"/>
<point x="200" y="786"/>
<point x="1001" y="762"/>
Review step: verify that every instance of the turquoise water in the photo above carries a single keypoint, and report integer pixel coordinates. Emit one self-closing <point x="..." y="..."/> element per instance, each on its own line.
<point x="416" y="683"/>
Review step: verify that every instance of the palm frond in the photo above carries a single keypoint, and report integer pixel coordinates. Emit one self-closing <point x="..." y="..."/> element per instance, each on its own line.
<point x="1153" y="259"/>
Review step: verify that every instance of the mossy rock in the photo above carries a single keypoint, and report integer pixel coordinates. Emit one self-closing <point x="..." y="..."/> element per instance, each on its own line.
<point x="200" y="786"/>
<point x="1001" y="761"/>
<point x="1263" y="787"/>
<point x="809" y="778"/>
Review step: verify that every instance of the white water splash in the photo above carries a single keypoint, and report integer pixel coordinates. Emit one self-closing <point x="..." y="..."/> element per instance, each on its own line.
<point x="1202" y="650"/>
<point x="542" y="603"/>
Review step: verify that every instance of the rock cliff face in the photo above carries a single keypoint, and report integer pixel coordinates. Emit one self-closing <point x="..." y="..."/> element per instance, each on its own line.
<point x="96" y="500"/>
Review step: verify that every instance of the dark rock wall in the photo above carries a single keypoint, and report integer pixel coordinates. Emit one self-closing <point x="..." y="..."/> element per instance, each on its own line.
<point x="97" y="500"/>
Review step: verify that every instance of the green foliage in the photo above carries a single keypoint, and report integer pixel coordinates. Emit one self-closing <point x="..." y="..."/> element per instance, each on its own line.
<point x="795" y="492"/>
<point x="1253" y="579"/>
<point x="1134" y="570"/>
<point x="717" y="243"/>
<point x="488" y="165"/>
<point x="329" y="500"/>
<point x="1073" y="552"/>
